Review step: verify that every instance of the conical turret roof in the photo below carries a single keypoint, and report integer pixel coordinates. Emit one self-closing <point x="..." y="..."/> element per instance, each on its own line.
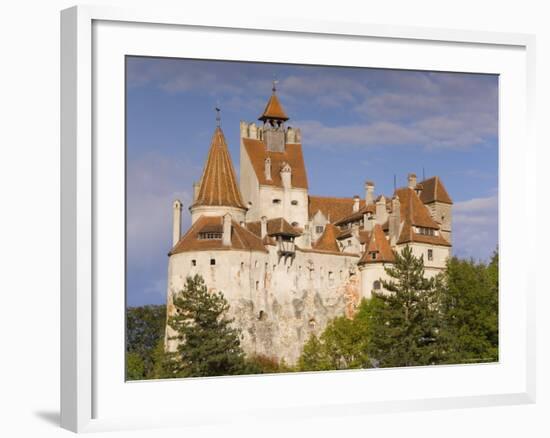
<point x="273" y="110"/>
<point x="218" y="185"/>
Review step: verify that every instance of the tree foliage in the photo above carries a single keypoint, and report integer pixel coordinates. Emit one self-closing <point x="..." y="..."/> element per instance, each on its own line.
<point x="145" y="327"/>
<point x="404" y="323"/>
<point x="470" y="311"/>
<point x="207" y="343"/>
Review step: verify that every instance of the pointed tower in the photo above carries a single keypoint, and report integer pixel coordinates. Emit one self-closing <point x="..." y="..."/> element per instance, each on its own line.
<point x="218" y="192"/>
<point x="274" y="117"/>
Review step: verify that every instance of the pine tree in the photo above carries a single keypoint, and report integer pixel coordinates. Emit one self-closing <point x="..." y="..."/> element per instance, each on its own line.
<point x="404" y="322"/>
<point x="208" y="344"/>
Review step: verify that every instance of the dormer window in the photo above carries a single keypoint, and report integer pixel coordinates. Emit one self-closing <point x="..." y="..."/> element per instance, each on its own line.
<point x="210" y="236"/>
<point x="319" y="229"/>
<point x="426" y="231"/>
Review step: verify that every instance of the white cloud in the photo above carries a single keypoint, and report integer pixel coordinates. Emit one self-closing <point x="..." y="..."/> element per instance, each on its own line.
<point x="154" y="182"/>
<point x="475" y="225"/>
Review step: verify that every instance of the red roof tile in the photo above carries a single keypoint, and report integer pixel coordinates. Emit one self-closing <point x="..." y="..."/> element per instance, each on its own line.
<point x="257" y="152"/>
<point x="333" y="208"/>
<point x="433" y="190"/>
<point x="273" y="110"/>
<point x="379" y="246"/>
<point x="327" y="241"/>
<point x="241" y="238"/>
<point x="218" y="185"/>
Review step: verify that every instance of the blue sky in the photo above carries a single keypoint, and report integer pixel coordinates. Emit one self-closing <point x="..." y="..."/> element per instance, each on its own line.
<point x="357" y="124"/>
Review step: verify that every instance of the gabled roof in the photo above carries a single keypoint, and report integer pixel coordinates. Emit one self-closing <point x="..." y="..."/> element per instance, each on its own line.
<point x="218" y="185"/>
<point x="241" y="238"/>
<point x="257" y="152"/>
<point x="379" y="245"/>
<point x="371" y="208"/>
<point x="433" y="190"/>
<point x="413" y="210"/>
<point x="273" y="110"/>
<point x="276" y="226"/>
<point x="327" y="241"/>
<point x="332" y="208"/>
<point x="414" y="213"/>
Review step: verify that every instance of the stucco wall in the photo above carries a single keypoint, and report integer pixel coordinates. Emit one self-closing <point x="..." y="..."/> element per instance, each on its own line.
<point x="277" y="303"/>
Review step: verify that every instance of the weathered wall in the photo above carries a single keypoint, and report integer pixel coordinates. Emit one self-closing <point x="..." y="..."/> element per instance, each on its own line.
<point x="277" y="303"/>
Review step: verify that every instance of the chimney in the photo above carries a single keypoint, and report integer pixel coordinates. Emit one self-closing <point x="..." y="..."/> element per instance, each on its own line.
<point x="226" y="236"/>
<point x="286" y="175"/>
<point x="381" y="213"/>
<point x="412" y="180"/>
<point x="369" y="192"/>
<point x="356" y="203"/>
<point x="263" y="227"/>
<point x="395" y="220"/>
<point x="267" y="168"/>
<point x="176" y="218"/>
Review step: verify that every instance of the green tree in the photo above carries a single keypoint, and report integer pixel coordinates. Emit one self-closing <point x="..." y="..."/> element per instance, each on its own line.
<point x="470" y="311"/>
<point x="342" y="345"/>
<point x="208" y="344"/>
<point x="145" y="327"/>
<point x="135" y="369"/>
<point x="403" y="324"/>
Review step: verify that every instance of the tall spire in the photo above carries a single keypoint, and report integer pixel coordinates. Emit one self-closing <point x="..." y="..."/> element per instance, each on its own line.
<point x="218" y="185"/>
<point x="273" y="110"/>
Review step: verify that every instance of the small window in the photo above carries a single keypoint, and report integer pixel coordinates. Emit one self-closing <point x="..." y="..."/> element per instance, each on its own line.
<point x="256" y="264"/>
<point x="376" y="285"/>
<point x="312" y="323"/>
<point x="349" y="242"/>
<point x="373" y="256"/>
<point x="276" y="201"/>
<point x="294" y="202"/>
<point x="242" y="266"/>
<point x="295" y="224"/>
<point x="193" y="262"/>
<point x="257" y="285"/>
<point x="212" y="262"/>
<point x="430" y="254"/>
<point x="319" y="229"/>
<point x="262" y="315"/>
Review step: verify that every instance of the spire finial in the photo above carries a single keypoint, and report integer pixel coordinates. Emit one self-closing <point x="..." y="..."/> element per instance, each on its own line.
<point x="218" y="117"/>
<point x="274" y="88"/>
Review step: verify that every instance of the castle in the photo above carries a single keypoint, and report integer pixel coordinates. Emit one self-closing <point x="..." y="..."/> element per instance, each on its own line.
<point x="287" y="261"/>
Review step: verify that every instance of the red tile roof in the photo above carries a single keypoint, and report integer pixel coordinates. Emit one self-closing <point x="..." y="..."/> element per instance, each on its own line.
<point x="218" y="185"/>
<point x="371" y="208"/>
<point x="257" y="152"/>
<point x="273" y="110"/>
<point x="333" y="208"/>
<point x="327" y="241"/>
<point x="433" y="190"/>
<point x="275" y="227"/>
<point x="379" y="245"/>
<point x="241" y="238"/>
<point x="415" y="213"/>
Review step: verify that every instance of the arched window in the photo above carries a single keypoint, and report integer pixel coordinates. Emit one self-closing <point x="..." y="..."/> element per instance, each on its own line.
<point x="262" y="316"/>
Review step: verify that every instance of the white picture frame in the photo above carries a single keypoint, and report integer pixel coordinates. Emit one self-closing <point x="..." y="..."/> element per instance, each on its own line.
<point x="92" y="394"/>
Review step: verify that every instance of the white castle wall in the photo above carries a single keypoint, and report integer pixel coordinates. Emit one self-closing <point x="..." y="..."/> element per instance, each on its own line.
<point x="277" y="303"/>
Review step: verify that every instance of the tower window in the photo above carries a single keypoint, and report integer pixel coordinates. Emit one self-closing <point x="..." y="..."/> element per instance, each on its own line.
<point x="276" y="201"/>
<point x="193" y="262"/>
<point x="376" y="285"/>
<point x="257" y="285"/>
<point x="212" y="262"/>
<point x="430" y="254"/>
<point x="294" y="202"/>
